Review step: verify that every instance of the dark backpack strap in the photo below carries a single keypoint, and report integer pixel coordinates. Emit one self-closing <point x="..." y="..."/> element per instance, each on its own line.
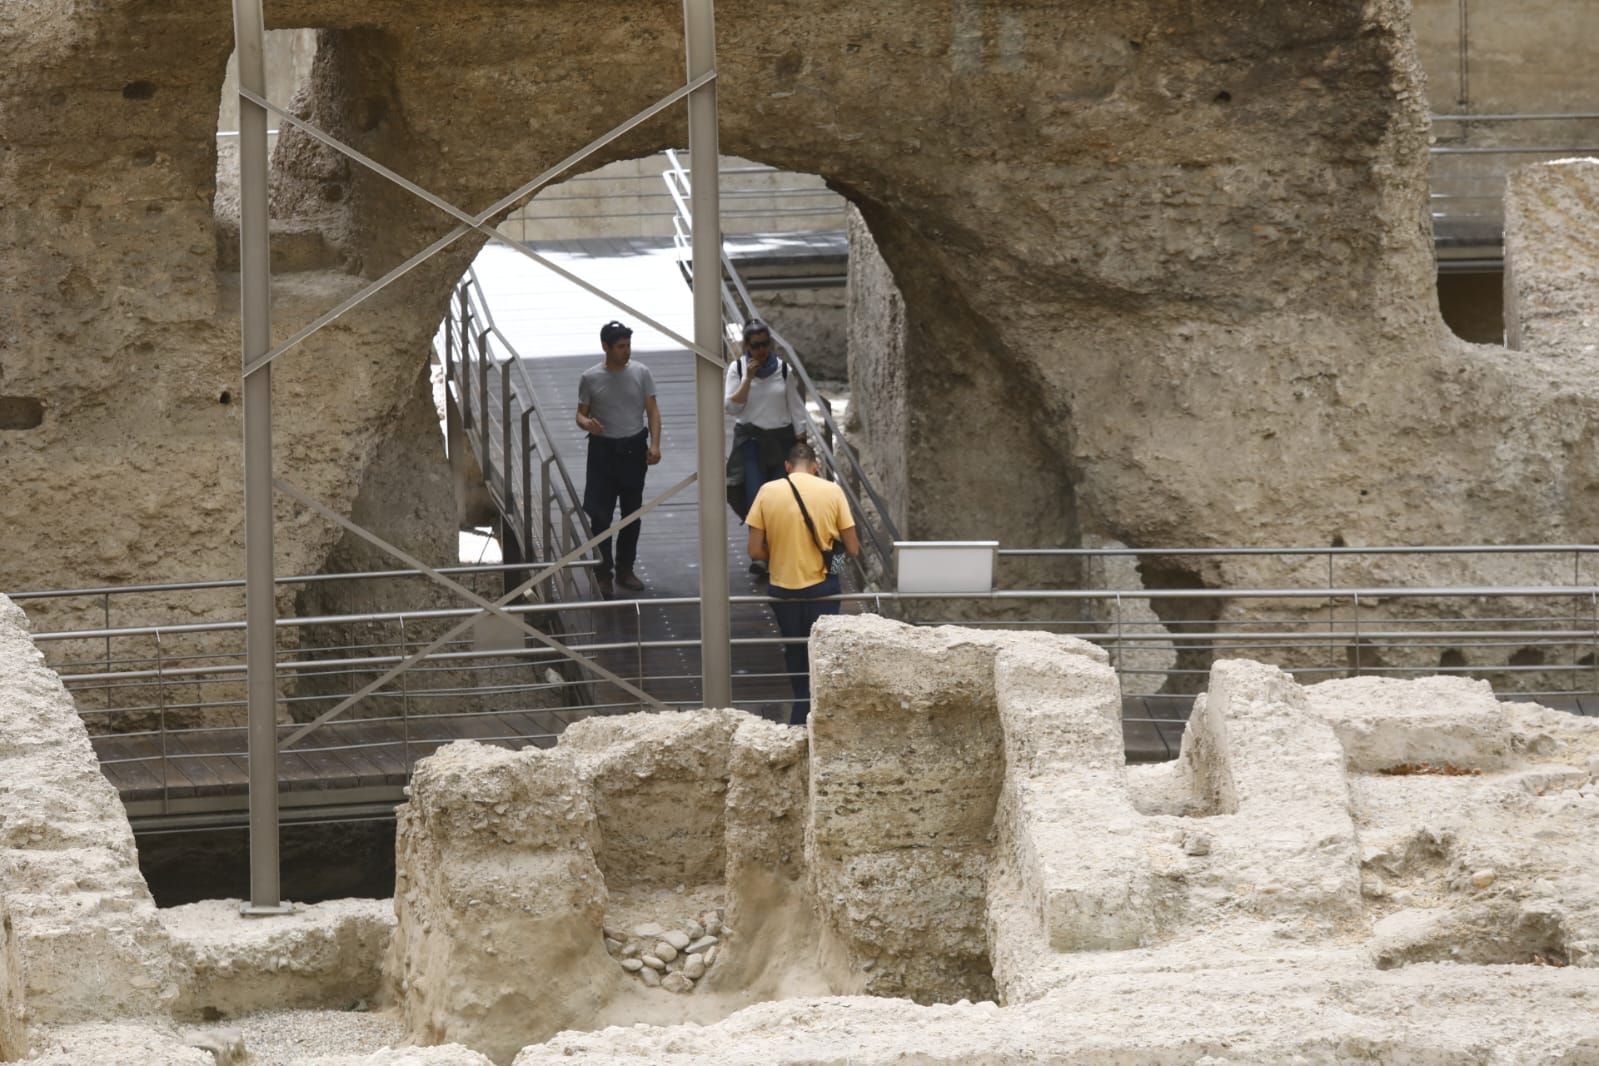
<point x="811" y="526"/>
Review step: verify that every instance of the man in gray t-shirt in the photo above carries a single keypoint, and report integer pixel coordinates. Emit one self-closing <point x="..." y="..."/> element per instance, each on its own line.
<point x="613" y="400"/>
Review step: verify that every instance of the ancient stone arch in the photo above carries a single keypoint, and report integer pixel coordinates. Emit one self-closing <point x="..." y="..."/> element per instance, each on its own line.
<point x="1172" y="262"/>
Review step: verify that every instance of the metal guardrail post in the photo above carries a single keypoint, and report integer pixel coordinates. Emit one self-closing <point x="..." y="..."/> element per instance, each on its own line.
<point x="483" y="406"/>
<point x="449" y="347"/>
<point x="161" y="723"/>
<point x="716" y="651"/>
<point x="547" y="505"/>
<point x="463" y="379"/>
<point x="405" y="705"/>
<point x="255" y="313"/>
<point x="507" y="467"/>
<point x="105" y="614"/>
<point x="526" y="452"/>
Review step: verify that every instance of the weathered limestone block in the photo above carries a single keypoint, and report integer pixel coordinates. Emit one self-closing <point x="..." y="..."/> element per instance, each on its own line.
<point x="1493" y="867"/>
<point x="1273" y="800"/>
<point x="1071" y="834"/>
<point x="326" y="955"/>
<point x="1552" y="258"/>
<point x="1385" y="722"/>
<point x="13" y="1020"/>
<point x="879" y="368"/>
<point x="658" y="785"/>
<point x="152" y="1044"/>
<point x="907" y="762"/>
<point x="498" y="898"/>
<point x="767" y="794"/>
<point x="439" y="1055"/>
<point x="85" y="929"/>
<point x="768" y="894"/>
<point x="1321" y="1015"/>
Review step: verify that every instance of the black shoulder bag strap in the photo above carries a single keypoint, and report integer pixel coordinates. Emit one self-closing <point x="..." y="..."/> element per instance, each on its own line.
<point x="808" y="523"/>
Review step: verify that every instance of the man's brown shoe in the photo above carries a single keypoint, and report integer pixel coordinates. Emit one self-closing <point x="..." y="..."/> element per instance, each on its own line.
<point x="629" y="580"/>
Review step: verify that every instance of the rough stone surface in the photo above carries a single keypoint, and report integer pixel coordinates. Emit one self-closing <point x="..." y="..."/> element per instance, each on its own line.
<point x="148" y="1044"/>
<point x="13" y="1024"/>
<point x="495" y="870"/>
<point x="647" y="825"/>
<point x="1551" y="251"/>
<point x="1383" y="722"/>
<point x="439" y="1055"/>
<point x="225" y="1046"/>
<point x="85" y="932"/>
<point x="1101" y="243"/>
<point x="1271" y="896"/>
<point x="658" y="786"/>
<point x="1435" y="1014"/>
<point x="326" y="955"/>
<point x="907" y="761"/>
<point x="878" y="368"/>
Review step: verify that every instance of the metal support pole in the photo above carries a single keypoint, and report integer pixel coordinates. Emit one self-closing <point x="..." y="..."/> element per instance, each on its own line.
<point x="716" y="648"/>
<point x="255" y="326"/>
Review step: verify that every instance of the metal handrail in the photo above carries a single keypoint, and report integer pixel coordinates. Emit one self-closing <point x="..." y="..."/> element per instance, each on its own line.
<point x="547" y="443"/>
<point x="1578" y="551"/>
<point x="465" y="339"/>
<point x="738" y="306"/>
<point x="295" y="579"/>
<point x="1396" y="549"/>
<point x="1518" y="117"/>
<point x="177" y="692"/>
<point x="516" y="702"/>
<point x="1352" y="593"/>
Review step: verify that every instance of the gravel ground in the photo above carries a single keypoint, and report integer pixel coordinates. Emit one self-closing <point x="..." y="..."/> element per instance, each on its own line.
<point x="286" y="1037"/>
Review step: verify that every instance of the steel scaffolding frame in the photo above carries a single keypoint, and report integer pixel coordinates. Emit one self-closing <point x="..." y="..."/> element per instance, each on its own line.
<point x="258" y="354"/>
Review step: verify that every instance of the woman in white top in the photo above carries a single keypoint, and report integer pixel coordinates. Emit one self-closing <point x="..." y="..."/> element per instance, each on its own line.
<point x="762" y="394"/>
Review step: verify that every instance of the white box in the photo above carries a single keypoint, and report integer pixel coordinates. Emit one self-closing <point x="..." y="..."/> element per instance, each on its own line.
<point x="946" y="565"/>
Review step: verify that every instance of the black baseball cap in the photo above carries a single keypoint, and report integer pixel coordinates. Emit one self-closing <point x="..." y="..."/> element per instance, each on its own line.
<point x="754" y="326"/>
<point x="613" y="331"/>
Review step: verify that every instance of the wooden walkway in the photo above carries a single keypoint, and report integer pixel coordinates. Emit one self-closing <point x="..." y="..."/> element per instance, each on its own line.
<point x="668" y="559"/>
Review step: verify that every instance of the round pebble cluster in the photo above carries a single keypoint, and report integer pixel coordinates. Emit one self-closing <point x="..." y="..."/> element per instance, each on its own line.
<point x="669" y="958"/>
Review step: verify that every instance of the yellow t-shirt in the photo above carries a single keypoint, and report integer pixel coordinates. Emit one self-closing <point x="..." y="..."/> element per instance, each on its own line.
<point x="794" y="561"/>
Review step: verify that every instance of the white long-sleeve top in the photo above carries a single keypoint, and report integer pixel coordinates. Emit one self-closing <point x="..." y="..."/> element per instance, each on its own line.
<point x="774" y="401"/>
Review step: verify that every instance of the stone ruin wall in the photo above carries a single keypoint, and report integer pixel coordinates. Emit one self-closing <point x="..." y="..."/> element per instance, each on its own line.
<point x="1358" y="870"/>
<point x="1175" y="265"/>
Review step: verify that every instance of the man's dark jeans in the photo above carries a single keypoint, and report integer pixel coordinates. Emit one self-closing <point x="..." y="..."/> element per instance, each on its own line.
<point x="795" y="619"/>
<point x="615" y="472"/>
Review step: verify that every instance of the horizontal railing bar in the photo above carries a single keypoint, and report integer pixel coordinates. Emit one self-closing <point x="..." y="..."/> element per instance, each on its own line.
<point x="1376" y="592"/>
<point x="1420" y="549"/>
<point x="1223" y="641"/>
<point x="726" y="194"/>
<point x="299" y="579"/>
<point x="1508" y="150"/>
<point x="1518" y="116"/>
<point x="1445" y="549"/>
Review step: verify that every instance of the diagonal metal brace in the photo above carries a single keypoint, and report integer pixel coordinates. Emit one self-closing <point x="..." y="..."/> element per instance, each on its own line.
<point x="495" y="607"/>
<point x="478" y="222"/>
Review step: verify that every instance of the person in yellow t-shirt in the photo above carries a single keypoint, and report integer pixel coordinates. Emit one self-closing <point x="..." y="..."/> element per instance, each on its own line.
<point x="798" y="571"/>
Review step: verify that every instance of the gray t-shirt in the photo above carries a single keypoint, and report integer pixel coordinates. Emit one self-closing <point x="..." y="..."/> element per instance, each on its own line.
<point x="617" y="398"/>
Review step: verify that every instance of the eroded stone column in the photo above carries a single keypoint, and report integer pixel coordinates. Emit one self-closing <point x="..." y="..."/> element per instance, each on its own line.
<point x="1552" y="258"/>
<point x="78" y="913"/>
<point x="499" y="900"/>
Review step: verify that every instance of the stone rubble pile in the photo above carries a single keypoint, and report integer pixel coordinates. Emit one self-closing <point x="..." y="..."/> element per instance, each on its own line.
<point x="673" y="956"/>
